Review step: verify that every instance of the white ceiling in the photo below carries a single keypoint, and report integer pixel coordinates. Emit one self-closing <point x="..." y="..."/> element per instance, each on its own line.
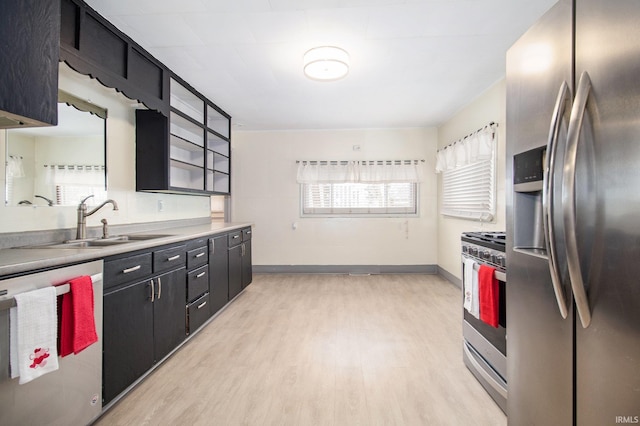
<point x="414" y="63"/>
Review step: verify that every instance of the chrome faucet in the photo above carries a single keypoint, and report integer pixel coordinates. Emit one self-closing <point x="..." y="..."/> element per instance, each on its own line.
<point x="81" y="232"/>
<point x="49" y="202"/>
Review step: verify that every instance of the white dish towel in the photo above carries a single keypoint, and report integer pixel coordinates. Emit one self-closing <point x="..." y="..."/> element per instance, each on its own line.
<point x="470" y="281"/>
<point x="33" y="334"/>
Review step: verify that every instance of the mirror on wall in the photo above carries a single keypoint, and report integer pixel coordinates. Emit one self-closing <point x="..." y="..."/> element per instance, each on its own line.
<point x="60" y="165"/>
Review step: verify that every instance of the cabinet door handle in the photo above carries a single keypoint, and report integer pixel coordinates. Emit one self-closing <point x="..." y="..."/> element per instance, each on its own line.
<point x="243" y="250"/>
<point x="159" y="288"/>
<point x="134" y="268"/>
<point x="202" y="304"/>
<point x="200" y="254"/>
<point x="153" y="292"/>
<point x="212" y="246"/>
<point x="172" y="258"/>
<point x="201" y="274"/>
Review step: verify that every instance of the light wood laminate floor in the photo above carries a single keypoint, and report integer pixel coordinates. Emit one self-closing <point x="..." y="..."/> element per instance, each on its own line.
<point x="321" y="350"/>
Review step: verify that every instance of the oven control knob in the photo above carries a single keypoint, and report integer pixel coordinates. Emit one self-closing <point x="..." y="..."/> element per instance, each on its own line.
<point x="486" y="255"/>
<point x="500" y="260"/>
<point x="465" y="249"/>
<point x="492" y="258"/>
<point x="473" y="251"/>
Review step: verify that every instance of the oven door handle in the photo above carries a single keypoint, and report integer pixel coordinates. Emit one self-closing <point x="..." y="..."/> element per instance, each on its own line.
<point x="500" y="276"/>
<point x="547" y="197"/>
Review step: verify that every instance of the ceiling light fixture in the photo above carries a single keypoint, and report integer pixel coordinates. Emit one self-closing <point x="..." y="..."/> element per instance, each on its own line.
<point x="326" y="63"/>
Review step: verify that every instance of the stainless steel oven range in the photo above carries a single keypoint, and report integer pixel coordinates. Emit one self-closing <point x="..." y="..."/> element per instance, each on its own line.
<point x="485" y="346"/>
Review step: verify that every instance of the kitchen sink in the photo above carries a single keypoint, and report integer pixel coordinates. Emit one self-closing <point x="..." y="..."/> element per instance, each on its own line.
<point x="134" y="237"/>
<point x="100" y="242"/>
<point x="81" y="244"/>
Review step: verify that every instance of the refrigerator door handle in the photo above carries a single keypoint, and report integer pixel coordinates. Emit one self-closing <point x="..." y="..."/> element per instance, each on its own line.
<point x="568" y="199"/>
<point x="564" y="99"/>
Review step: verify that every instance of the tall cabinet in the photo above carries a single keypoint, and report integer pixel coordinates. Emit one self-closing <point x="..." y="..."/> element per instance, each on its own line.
<point x="186" y="152"/>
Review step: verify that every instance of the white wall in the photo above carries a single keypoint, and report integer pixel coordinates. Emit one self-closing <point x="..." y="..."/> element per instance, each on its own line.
<point x="135" y="207"/>
<point x="490" y="106"/>
<point x="265" y="192"/>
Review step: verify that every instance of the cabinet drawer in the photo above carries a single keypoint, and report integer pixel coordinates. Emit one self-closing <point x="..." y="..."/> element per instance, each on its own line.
<point x="127" y="269"/>
<point x="234" y="238"/>
<point x="197" y="243"/>
<point x="197" y="282"/>
<point x="173" y="257"/>
<point x="197" y="313"/>
<point x="197" y="257"/>
<point x="246" y="234"/>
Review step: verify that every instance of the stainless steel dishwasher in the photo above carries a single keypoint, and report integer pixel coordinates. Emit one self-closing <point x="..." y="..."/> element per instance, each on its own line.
<point x="72" y="394"/>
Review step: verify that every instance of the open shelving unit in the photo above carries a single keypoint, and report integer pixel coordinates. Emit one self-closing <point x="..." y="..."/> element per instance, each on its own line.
<point x="196" y="142"/>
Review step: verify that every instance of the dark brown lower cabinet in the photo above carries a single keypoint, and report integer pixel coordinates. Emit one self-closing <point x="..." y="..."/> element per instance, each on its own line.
<point x="149" y="300"/>
<point x="168" y="313"/>
<point x="143" y="322"/>
<point x="218" y="273"/>
<point x="127" y="337"/>
<point x="247" y="268"/>
<point x="235" y="270"/>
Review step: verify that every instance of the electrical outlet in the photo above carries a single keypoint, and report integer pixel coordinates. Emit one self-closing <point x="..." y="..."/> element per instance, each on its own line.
<point x="160" y="206"/>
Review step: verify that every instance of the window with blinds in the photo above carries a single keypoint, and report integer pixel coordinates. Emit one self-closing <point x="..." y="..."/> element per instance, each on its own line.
<point x="468" y="177"/>
<point x="365" y="199"/>
<point x="469" y="191"/>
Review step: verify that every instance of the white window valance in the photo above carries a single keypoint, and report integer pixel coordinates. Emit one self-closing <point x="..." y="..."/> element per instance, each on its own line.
<point x="311" y="172"/>
<point x="15" y="166"/>
<point x="468" y="176"/>
<point x="74" y="174"/>
<point x="478" y="146"/>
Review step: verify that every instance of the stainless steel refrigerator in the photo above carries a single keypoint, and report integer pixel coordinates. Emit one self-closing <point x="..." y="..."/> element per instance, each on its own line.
<point x="573" y="217"/>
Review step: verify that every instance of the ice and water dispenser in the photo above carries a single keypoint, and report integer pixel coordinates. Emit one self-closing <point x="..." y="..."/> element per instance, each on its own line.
<point x="528" y="178"/>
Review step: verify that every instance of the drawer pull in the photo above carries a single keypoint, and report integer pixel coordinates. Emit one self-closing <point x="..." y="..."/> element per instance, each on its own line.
<point x="200" y="254"/>
<point x="248" y="232"/>
<point x="201" y="274"/>
<point x="202" y="304"/>
<point x="236" y="236"/>
<point x="172" y="258"/>
<point x="135" y="268"/>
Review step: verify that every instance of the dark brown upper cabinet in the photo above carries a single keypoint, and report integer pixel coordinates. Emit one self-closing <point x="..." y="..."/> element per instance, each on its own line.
<point x="91" y="45"/>
<point x="30" y="36"/>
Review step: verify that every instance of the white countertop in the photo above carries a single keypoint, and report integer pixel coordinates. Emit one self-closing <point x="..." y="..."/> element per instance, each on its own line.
<point x="18" y="260"/>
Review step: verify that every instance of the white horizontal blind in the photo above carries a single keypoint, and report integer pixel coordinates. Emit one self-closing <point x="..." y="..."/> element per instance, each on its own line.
<point x="398" y="198"/>
<point x="469" y="190"/>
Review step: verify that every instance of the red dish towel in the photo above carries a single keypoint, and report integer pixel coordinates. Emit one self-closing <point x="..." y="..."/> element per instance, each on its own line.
<point x="77" y="322"/>
<point x="489" y="295"/>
